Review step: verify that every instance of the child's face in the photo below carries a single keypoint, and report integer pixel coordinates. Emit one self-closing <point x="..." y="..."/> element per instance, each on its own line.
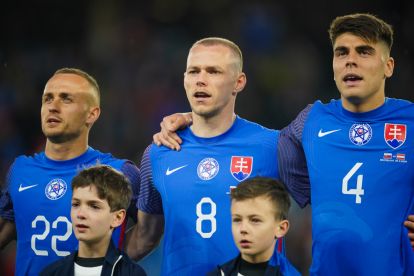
<point x="92" y="219"/>
<point x="254" y="228"/>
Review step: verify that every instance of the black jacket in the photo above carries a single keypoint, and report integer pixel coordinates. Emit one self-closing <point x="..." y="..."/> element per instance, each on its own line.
<point x="114" y="260"/>
<point x="278" y="266"/>
<point x="231" y="268"/>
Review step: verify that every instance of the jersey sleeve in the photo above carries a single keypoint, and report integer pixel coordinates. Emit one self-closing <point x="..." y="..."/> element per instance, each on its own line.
<point x="131" y="171"/>
<point x="293" y="169"/>
<point x="149" y="200"/>
<point x="6" y="203"/>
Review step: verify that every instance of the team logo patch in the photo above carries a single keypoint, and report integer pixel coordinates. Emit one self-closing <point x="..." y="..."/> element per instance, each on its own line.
<point x="241" y="167"/>
<point x="55" y="189"/>
<point x="395" y="134"/>
<point x="360" y="134"/>
<point x="208" y="168"/>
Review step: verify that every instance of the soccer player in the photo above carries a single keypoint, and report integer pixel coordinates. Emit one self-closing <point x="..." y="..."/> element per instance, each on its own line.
<point x="259" y="212"/>
<point x="36" y="201"/>
<point x="100" y="197"/>
<point x="357" y="150"/>
<point x="189" y="189"/>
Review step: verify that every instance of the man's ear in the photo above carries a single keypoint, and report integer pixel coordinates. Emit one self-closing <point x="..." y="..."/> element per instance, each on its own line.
<point x="118" y="218"/>
<point x="281" y="229"/>
<point x="389" y="67"/>
<point x="93" y="115"/>
<point x="240" y="83"/>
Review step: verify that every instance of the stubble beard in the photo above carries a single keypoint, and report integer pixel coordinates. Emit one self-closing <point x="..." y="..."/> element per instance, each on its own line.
<point x="61" y="137"/>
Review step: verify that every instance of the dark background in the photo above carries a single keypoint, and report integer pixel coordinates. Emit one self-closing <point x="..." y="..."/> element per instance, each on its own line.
<point x="137" y="51"/>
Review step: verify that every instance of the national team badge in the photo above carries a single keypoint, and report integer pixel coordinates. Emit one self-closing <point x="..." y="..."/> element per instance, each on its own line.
<point x="241" y="167"/>
<point x="360" y="134"/>
<point x="208" y="168"/>
<point x="55" y="189"/>
<point x="395" y="134"/>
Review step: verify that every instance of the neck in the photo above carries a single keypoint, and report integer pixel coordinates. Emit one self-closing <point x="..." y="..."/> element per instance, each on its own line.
<point x="66" y="150"/>
<point x="360" y="105"/>
<point x="94" y="250"/>
<point x="213" y="126"/>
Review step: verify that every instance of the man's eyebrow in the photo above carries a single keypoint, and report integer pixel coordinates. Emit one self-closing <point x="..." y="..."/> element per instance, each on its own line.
<point x="365" y="48"/>
<point x="341" y="48"/>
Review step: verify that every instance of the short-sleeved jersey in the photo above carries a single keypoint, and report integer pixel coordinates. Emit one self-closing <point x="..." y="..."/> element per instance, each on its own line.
<point x="362" y="184"/>
<point x="38" y="200"/>
<point x="194" y="185"/>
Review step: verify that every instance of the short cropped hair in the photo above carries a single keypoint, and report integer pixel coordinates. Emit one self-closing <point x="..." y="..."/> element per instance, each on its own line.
<point x="91" y="80"/>
<point x="111" y="185"/>
<point x="212" y="41"/>
<point x="270" y="188"/>
<point x="366" y="26"/>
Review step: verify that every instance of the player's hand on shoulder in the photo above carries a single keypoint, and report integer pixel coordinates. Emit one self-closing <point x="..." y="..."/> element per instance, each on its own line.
<point x="169" y="125"/>
<point x="409" y="223"/>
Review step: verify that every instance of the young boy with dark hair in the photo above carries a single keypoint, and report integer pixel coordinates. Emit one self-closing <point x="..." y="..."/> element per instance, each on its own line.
<point x="259" y="209"/>
<point x="100" y="197"/>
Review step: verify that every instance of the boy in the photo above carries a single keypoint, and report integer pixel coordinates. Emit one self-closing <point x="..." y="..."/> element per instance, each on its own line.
<point x="259" y="208"/>
<point x="100" y="196"/>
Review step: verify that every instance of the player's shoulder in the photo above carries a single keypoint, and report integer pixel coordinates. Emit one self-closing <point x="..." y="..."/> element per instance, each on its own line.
<point x="399" y="103"/>
<point x="252" y="128"/>
<point x="104" y="157"/>
<point x="29" y="160"/>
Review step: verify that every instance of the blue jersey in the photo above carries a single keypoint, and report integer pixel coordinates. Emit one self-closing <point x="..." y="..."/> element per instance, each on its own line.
<point x="191" y="188"/>
<point x="362" y="185"/>
<point x="38" y="200"/>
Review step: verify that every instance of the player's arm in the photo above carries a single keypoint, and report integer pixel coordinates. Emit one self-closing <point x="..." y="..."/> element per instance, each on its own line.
<point x="7" y="232"/>
<point x="409" y="223"/>
<point x="145" y="235"/>
<point x="147" y="232"/>
<point x="293" y="170"/>
<point x="131" y="171"/>
<point x="169" y="125"/>
<point x="7" y="225"/>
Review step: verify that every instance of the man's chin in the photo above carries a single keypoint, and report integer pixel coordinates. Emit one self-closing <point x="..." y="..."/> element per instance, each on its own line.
<point x="204" y="113"/>
<point x="59" y="138"/>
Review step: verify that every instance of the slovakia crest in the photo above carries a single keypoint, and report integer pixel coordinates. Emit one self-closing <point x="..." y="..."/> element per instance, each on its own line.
<point x="360" y="134"/>
<point x="395" y="134"/>
<point x="241" y="167"/>
<point x="208" y="168"/>
<point x="55" y="189"/>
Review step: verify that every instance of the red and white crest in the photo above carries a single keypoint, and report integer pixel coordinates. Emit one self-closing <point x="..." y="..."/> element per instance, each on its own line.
<point x="241" y="167"/>
<point x="395" y="134"/>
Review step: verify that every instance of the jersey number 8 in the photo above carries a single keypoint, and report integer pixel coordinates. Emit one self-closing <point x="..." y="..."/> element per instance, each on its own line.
<point x="201" y="217"/>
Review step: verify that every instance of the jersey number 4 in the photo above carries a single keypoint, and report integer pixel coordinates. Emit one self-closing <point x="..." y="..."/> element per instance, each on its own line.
<point x="358" y="191"/>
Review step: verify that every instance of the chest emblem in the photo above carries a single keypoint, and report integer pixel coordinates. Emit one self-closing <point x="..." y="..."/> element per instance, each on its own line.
<point x="208" y="168"/>
<point x="395" y="134"/>
<point x="241" y="167"/>
<point x="360" y="134"/>
<point x="55" y="189"/>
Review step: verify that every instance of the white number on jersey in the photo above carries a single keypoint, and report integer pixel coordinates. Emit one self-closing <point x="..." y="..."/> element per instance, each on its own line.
<point x="206" y="217"/>
<point x="358" y="191"/>
<point x="55" y="238"/>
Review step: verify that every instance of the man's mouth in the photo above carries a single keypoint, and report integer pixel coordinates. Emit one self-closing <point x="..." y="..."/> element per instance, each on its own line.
<point x="200" y="95"/>
<point x="351" y="78"/>
<point x="52" y="120"/>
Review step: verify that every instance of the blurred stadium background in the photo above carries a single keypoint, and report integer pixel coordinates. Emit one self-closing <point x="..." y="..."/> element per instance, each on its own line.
<point x="137" y="51"/>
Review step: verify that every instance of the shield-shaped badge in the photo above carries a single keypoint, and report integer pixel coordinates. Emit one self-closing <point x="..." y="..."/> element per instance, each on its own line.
<point x="241" y="167"/>
<point x="395" y="134"/>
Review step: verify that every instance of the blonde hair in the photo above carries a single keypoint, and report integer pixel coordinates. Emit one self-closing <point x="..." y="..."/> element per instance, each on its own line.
<point x="212" y="41"/>
<point x="91" y="80"/>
